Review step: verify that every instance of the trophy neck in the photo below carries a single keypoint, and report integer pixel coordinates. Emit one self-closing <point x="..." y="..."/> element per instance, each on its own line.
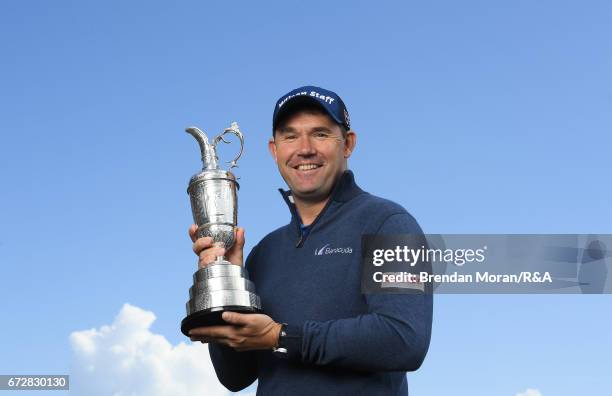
<point x="207" y="149"/>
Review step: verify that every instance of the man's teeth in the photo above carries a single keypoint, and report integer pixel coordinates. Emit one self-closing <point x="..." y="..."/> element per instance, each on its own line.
<point x="307" y="166"/>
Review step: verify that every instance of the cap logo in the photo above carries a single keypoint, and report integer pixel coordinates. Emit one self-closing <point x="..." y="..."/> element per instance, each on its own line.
<point x="285" y="99"/>
<point x="327" y="99"/>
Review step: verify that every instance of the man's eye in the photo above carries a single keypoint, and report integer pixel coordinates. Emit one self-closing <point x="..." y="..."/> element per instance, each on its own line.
<point x="289" y="137"/>
<point x="321" y="135"/>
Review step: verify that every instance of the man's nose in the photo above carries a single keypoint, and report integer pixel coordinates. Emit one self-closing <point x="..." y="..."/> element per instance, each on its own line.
<point x="306" y="146"/>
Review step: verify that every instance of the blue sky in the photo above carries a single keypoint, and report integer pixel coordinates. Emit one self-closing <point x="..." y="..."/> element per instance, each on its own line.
<point x="478" y="117"/>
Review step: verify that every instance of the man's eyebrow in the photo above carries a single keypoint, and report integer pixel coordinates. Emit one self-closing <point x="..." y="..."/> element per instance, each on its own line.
<point x="285" y="130"/>
<point x="321" y="129"/>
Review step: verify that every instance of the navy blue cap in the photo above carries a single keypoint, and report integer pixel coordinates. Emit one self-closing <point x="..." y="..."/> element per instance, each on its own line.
<point x="327" y="100"/>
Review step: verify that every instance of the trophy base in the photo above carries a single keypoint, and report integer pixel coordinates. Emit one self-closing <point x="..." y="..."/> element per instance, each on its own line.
<point x="211" y="317"/>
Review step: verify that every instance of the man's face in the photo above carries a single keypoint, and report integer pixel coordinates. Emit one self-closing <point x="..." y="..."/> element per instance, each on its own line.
<point x="311" y="153"/>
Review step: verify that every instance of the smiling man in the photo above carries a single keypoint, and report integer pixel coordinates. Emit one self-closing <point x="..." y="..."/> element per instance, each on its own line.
<point x="320" y="334"/>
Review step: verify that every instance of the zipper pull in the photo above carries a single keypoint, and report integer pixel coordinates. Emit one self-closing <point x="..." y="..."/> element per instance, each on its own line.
<point x="299" y="242"/>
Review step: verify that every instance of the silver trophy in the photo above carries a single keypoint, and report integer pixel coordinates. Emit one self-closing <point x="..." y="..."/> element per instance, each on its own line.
<point x="219" y="286"/>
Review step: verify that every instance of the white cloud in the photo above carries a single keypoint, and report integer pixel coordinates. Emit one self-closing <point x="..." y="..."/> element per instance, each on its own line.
<point x="127" y="359"/>
<point x="530" y="392"/>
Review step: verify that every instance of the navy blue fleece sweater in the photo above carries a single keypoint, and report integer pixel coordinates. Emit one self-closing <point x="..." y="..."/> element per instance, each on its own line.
<point x="341" y="342"/>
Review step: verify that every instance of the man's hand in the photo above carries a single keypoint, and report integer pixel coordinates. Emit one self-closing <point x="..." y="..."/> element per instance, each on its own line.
<point x="245" y="332"/>
<point x="207" y="253"/>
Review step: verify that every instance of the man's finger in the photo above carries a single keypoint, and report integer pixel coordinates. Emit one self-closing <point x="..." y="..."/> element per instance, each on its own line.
<point x="219" y="332"/>
<point x="236" y="318"/>
<point x="203" y="340"/>
<point x="209" y="255"/>
<point x="201" y="244"/>
<point x="192" y="232"/>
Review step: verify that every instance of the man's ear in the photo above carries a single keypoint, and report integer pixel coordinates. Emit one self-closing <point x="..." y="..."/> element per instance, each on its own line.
<point x="272" y="148"/>
<point x="349" y="143"/>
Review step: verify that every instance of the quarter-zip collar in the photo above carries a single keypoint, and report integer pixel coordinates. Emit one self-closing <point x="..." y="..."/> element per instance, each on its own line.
<point x="344" y="190"/>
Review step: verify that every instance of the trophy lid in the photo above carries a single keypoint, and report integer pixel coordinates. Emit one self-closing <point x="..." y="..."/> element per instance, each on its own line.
<point x="213" y="174"/>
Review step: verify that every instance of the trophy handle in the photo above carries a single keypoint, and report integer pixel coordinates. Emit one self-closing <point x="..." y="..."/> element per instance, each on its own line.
<point x="233" y="129"/>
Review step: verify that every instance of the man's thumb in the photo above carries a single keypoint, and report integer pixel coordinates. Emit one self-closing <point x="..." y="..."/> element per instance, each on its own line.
<point x="234" y="255"/>
<point x="239" y="242"/>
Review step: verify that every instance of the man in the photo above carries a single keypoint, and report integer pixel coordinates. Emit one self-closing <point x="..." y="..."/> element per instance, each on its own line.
<point x="320" y="334"/>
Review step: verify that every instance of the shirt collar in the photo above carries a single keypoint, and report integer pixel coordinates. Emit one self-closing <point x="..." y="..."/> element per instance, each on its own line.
<point x="344" y="190"/>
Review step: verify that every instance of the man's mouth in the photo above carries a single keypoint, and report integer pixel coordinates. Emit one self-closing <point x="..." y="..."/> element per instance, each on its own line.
<point x="306" y="167"/>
